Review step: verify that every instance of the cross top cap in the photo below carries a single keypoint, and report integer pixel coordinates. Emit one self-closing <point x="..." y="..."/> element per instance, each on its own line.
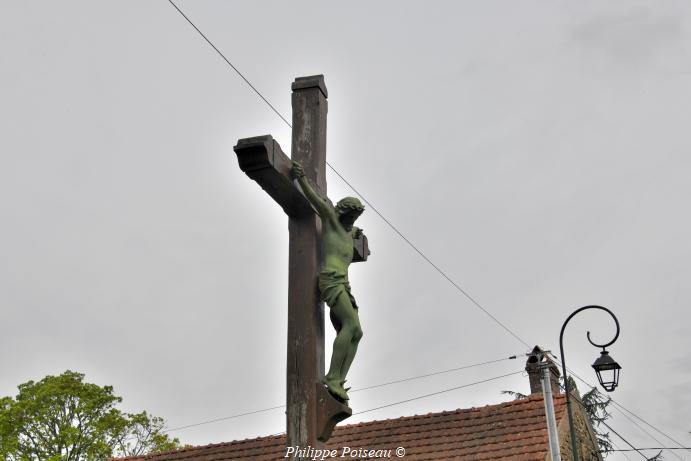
<point x="312" y="81"/>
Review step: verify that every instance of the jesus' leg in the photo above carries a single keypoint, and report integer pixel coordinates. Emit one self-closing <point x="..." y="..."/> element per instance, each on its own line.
<point x="346" y="315"/>
<point x="352" y="350"/>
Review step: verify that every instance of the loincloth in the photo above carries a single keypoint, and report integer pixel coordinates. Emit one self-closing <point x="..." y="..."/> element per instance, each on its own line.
<point x="331" y="285"/>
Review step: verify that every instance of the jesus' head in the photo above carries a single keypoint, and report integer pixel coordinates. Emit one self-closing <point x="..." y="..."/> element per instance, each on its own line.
<point x="349" y="209"/>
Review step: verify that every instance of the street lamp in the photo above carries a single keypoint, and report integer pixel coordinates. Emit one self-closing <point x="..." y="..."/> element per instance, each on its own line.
<point x="604" y="364"/>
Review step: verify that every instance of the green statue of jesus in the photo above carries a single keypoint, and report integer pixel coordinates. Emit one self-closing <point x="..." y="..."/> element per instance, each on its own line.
<point x="337" y="247"/>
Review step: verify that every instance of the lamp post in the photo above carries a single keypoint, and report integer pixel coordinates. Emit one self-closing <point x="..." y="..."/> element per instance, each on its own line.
<point x="604" y="363"/>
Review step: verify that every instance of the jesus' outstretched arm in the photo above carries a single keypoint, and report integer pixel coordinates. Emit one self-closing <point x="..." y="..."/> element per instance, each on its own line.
<point x="324" y="208"/>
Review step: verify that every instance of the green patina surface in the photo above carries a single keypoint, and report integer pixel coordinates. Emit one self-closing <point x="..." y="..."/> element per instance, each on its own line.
<point x="338" y="232"/>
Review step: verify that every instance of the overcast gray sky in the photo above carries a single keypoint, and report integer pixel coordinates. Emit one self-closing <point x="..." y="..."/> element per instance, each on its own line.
<point x="538" y="152"/>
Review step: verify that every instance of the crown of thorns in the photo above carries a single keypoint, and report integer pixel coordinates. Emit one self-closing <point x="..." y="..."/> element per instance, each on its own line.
<point x="349" y="204"/>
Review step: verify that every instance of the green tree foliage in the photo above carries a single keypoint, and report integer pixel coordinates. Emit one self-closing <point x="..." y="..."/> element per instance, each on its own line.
<point x="62" y="418"/>
<point x="595" y="404"/>
<point x="144" y="435"/>
<point x="515" y="395"/>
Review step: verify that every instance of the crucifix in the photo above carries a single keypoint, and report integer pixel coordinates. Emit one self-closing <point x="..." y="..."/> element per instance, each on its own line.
<point x="315" y="402"/>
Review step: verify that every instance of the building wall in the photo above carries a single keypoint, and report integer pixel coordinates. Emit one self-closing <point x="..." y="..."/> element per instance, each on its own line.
<point x="587" y="440"/>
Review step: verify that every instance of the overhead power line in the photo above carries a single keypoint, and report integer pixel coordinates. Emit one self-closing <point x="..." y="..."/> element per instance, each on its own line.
<point x="608" y="426"/>
<point x="624" y="414"/>
<point x="229" y="63"/>
<point x="224" y="418"/>
<point x="578" y="400"/>
<point x="618" y="449"/>
<point x="430" y="262"/>
<point x="644" y="430"/>
<point x="638" y="450"/>
<point x="263" y="410"/>
<point x="438" y="392"/>
<point x="427" y="395"/>
<point x="654" y="448"/>
<point x="620" y="407"/>
<point x="394" y="228"/>
<point x="432" y="374"/>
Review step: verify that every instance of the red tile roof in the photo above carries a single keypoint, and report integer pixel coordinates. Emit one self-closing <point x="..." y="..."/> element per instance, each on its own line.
<point x="513" y="430"/>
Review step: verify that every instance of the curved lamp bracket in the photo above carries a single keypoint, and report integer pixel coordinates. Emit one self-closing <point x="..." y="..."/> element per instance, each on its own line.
<point x="615" y="336"/>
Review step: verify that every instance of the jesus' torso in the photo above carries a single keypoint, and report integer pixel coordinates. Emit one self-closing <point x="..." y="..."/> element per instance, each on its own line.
<point x="337" y="244"/>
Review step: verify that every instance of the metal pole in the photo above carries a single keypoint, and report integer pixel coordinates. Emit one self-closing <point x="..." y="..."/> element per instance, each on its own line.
<point x="574" y="445"/>
<point x="549" y="412"/>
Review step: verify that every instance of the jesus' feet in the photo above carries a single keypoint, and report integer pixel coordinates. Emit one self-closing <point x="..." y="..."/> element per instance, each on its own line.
<point x="336" y="388"/>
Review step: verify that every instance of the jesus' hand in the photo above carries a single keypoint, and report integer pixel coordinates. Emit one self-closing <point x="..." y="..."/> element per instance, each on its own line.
<point x="296" y="171"/>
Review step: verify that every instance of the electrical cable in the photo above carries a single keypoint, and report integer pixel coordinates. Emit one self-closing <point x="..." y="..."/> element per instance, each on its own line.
<point x="376" y="211"/>
<point x="437" y="393"/>
<point x="577" y="399"/>
<point x="621" y="407"/>
<point x="624" y="414"/>
<point x="427" y="395"/>
<point x="645" y="431"/>
<point x="638" y="450"/>
<point x="633" y="448"/>
<point x="619" y="449"/>
<point x="656" y="448"/>
<point x="429" y="261"/>
<point x="229" y="63"/>
<point x="431" y="374"/>
<point x="225" y="418"/>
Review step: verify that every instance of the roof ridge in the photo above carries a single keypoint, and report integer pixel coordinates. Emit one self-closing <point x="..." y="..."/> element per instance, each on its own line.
<point x="200" y="447"/>
<point x="500" y="430"/>
<point x="456" y="411"/>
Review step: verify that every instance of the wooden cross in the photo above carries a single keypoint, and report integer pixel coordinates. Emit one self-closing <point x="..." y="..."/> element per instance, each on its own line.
<point x="311" y="411"/>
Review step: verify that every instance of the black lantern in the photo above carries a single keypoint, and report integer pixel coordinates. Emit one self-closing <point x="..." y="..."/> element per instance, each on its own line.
<point x="607" y="371"/>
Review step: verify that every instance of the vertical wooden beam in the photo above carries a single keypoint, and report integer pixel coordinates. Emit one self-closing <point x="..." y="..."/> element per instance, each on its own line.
<point x="305" y="364"/>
